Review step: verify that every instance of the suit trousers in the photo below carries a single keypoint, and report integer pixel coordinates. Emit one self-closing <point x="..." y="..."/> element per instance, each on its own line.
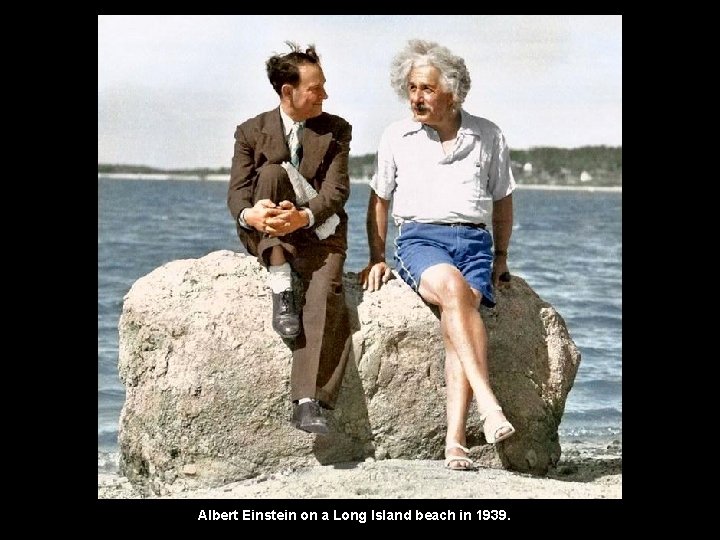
<point x="321" y="351"/>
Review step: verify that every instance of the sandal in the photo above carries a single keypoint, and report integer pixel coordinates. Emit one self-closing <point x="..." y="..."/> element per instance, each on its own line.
<point x="470" y="464"/>
<point x="491" y="431"/>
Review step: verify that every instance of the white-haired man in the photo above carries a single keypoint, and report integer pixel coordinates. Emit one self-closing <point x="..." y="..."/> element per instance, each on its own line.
<point x="449" y="175"/>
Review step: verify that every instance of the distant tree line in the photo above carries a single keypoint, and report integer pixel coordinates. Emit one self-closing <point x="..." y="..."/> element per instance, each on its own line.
<point x="144" y="169"/>
<point x="362" y="166"/>
<point x="601" y="165"/>
<point x="591" y="165"/>
<point x="587" y="165"/>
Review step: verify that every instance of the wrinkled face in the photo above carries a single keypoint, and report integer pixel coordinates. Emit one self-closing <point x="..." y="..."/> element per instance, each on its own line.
<point x="431" y="104"/>
<point x="306" y="99"/>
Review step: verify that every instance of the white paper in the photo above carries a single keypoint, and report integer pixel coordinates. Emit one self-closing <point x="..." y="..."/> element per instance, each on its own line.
<point x="304" y="192"/>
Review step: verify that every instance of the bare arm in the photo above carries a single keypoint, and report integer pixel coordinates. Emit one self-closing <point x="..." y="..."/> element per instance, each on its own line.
<point x="376" y="226"/>
<point x="377" y="271"/>
<point x="502" y="230"/>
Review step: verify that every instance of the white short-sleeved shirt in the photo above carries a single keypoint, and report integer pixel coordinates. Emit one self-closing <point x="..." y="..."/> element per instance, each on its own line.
<point x="428" y="186"/>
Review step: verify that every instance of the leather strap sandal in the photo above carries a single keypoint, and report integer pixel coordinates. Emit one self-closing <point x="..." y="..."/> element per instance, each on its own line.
<point x="491" y="429"/>
<point x="470" y="464"/>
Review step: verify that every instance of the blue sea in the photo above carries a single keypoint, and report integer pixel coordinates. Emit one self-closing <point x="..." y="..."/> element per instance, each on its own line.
<point x="566" y="244"/>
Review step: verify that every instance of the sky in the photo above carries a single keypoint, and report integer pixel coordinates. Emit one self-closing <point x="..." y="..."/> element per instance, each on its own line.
<point x="172" y="89"/>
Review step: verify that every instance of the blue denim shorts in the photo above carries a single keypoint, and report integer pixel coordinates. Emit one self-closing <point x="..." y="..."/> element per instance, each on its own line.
<point x="419" y="246"/>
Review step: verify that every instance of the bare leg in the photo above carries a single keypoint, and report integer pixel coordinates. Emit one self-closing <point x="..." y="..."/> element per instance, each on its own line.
<point x="444" y="286"/>
<point x="277" y="256"/>
<point x="459" y="395"/>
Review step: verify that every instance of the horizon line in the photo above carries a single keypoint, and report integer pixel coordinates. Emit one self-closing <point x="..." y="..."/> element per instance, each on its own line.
<point x="164" y="169"/>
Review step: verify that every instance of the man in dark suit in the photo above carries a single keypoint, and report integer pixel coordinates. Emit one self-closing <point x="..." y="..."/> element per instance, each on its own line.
<point x="284" y="235"/>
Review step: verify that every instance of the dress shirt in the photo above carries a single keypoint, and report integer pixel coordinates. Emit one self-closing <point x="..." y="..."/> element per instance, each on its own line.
<point x="429" y="186"/>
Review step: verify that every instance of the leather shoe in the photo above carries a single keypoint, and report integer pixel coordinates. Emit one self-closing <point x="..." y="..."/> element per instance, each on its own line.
<point x="285" y="320"/>
<point x="308" y="417"/>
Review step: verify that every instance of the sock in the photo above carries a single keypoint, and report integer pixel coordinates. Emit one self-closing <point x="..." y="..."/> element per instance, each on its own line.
<point x="304" y="400"/>
<point x="280" y="279"/>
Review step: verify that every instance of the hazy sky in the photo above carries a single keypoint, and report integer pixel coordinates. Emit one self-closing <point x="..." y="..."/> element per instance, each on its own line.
<point x="171" y="89"/>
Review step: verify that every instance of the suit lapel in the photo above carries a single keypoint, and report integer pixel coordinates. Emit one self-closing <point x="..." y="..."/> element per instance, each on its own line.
<point x="314" y="148"/>
<point x="274" y="145"/>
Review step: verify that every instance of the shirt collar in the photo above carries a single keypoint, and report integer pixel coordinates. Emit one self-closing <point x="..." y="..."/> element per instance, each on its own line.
<point x="466" y="125"/>
<point x="411" y="126"/>
<point x="288" y="122"/>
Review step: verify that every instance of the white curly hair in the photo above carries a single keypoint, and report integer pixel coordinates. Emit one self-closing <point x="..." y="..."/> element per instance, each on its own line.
<point x="454" y="75"/>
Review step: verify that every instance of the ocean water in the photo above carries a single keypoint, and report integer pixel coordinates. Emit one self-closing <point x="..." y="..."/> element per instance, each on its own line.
<point x="566" y="244"/>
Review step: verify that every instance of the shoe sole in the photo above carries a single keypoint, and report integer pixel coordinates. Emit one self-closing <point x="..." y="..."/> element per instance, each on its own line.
<point x="286" y="336"/>
<point x="320" y="431"/>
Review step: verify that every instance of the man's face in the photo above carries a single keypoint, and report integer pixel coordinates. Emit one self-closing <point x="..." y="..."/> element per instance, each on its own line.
<point x="431" y="104"/>
<point x="307" y="98"/>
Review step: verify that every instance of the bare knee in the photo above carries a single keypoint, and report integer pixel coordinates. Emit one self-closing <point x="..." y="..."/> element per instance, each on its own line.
<point x="458" y="291"/>
<point x="449" y="291"/>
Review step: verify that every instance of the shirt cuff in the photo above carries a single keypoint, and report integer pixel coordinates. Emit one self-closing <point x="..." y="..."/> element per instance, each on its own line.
<point x="242" y="222"/>
<point x="311" y="217"/>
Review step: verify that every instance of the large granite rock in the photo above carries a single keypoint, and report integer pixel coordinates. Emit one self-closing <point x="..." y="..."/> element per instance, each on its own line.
<point x="207" y="379"/>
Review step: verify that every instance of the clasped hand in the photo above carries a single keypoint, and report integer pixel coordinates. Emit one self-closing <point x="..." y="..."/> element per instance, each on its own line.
<point x="275" y="219"/>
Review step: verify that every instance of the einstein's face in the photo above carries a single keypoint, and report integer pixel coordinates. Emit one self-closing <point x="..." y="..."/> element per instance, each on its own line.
<point x="430" y="102"/>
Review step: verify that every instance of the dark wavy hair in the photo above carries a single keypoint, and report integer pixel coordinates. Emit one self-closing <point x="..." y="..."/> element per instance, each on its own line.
<point x="284" y="68"/>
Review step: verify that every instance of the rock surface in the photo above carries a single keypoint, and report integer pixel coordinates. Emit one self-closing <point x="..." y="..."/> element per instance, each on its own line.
<point x="207" y="379"/>
<point x="584" y="472"/>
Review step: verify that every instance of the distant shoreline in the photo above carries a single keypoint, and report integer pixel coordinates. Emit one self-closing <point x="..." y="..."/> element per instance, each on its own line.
<point x="166" y="176"/>
<point x="550" y="187"/>
<point x="226" y="178"/>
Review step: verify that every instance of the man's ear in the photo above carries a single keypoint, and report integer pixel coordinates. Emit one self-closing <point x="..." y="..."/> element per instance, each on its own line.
<point x="286" y="91"/>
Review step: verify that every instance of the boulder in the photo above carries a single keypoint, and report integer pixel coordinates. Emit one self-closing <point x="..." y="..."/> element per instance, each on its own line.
<point x="208" y="380"/>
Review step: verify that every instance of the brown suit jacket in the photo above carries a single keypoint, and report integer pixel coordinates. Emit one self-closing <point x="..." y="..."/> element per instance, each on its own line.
<point x="325" y="150"/>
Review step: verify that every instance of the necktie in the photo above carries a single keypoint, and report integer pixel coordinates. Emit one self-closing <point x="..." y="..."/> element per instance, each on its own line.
<point x="294" y="143"/>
